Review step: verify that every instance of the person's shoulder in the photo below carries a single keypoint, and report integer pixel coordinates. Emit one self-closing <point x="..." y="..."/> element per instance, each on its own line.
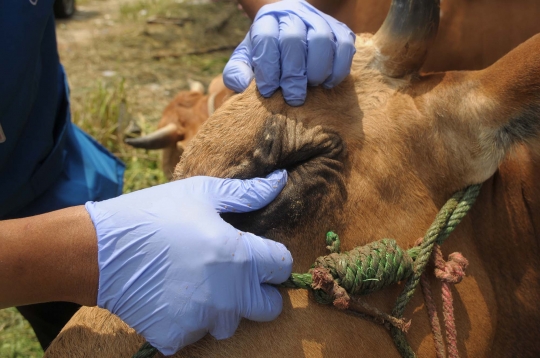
<point x="17" y="9"/>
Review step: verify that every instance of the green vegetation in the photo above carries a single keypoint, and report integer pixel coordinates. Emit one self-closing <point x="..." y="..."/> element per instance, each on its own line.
<point x="17" y="340"/>
<point x="104" y="114"/>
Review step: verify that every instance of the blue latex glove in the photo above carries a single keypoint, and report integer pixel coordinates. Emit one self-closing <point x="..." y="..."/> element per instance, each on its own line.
<point x="173" y="270"/>
<point x="290" y="45"/>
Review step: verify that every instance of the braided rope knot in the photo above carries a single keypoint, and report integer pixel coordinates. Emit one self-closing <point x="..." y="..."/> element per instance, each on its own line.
<point x="453" y="270"/>
<point x="365" y="269"/>
<point x="336" y="277"/>
<point x="360" y="271"/>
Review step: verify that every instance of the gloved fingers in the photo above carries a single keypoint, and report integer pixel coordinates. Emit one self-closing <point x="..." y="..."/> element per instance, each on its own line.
<point x="224" y="325"/>
<point x="271" y="259"/>
<point x="168" y="342"/>
<point x="236" y="195"/>
<point x="321" y="49"/>
<point x="266" y="55"/>
<point x="293" y="46"/>
<point x="343" y="56"/>
<point x="266" y="304"/>
<point x="238" y="72"/>
<point x="263" y="305"/>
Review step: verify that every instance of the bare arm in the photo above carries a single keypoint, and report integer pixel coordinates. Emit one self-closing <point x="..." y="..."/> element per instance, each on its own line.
<point x="332" y="8"/>
<point x="49" y="257"/>
<point x="252" y="6"/>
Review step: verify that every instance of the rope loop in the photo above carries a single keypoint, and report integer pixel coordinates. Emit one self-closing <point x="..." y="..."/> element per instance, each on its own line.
<point x="146" y="351"/>
<point x="451" y="271"/>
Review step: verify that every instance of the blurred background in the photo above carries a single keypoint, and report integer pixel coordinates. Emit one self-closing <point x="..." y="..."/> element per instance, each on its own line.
<point x="125" y="60"/>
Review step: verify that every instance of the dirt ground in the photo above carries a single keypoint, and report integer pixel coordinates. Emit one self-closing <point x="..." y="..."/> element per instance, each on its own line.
<point x="125" y="60"/>
<point x="148" y="43"/>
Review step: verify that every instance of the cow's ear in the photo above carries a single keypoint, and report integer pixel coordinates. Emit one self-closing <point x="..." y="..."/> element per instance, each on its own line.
<point x="510" y="89"/>
<point x="494" y="108"/>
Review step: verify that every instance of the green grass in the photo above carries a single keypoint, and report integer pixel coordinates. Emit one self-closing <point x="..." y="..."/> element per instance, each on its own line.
<point x="104" y="114"/>
<point x="17" y="340"/>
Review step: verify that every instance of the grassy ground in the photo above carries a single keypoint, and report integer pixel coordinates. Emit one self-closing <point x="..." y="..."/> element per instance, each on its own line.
<point x="126" y="64"/>
<point x="17" y="340"/>
<point x="125" y="60"/>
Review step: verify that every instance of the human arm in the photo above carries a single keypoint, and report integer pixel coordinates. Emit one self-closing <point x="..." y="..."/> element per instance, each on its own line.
<point x="291" y="45"/>
<point x="168" y="265"/>
<point x="333" y="8"/>
<point x="49" y="257"/>
<point x="251" y="7"/>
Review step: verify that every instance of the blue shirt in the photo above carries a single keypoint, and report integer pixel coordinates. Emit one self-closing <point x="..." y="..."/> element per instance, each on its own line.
<point x="46" y="162"/>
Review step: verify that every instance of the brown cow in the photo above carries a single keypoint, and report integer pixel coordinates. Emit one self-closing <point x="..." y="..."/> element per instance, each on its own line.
<point x="473" y="34"/>
<point x="376" y="157"/>
<point x="181" y="120"/>
<point x="471" y="37"/>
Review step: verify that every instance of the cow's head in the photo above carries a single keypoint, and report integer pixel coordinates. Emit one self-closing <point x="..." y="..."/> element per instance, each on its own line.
<point x="181" y="120"/>
<point x="379" y="154"/>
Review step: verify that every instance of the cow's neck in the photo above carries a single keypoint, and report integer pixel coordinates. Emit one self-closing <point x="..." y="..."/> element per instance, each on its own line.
<point x="506" y="224"/>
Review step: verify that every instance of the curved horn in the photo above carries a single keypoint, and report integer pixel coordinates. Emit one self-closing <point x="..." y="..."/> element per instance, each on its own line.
<point x="406" y="34"/>
<point x="161" y="138"/>
<point x="195" y="86"/>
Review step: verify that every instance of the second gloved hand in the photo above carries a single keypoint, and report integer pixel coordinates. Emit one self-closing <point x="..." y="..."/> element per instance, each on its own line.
<point x="291" y="44"/>
<point x="172" y="269"/>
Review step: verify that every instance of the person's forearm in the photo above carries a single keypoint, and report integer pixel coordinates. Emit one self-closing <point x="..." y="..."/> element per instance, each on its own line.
<point x="49" y="257"/>
<point x="252" y="6"/>
<point x="331" y="7"/>
<point x="340" y="9"/>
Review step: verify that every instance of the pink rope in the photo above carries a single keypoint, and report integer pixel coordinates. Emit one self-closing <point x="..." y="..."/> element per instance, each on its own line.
<point x="433" y="319"/>
<point x="450" y="272"/>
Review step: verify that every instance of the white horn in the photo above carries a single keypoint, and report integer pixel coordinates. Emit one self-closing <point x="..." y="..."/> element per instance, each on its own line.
<point x="163" y="137"/>
<point x="195" y="86"/>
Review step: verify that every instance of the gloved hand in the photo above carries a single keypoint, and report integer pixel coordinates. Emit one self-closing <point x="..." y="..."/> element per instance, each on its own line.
<point x="290" y="45"/>
<point x="173" y="270"/>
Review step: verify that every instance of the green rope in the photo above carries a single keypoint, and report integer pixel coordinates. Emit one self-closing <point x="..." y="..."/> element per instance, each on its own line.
<point x="368" y="268"/>
<point x="146" y="351"/>
<point x="382" y="263"/>
<point x="445" y="222"/>
<point x="332" y="240"/>
<point x="360" y="271"/>
<point x="371" y="267"/>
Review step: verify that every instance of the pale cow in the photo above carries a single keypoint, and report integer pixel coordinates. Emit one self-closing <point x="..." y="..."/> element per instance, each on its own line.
<point x="377" y="157"/>
<point x="181" y="120"/>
